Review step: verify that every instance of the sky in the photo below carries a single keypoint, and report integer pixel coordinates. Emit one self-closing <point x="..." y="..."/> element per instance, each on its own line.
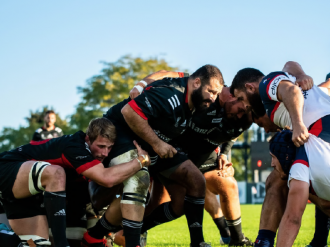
<point x="49" y="48"/>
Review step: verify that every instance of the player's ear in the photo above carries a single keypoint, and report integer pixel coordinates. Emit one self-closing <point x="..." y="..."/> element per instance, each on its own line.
<point x="87" y="139"/>
<point x="197" y="82"/>
<point x="249" y="87"/>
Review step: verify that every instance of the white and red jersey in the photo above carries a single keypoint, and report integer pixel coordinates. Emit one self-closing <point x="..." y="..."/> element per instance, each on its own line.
<point x="312" y="165"/>
<point x="316" y="101"/>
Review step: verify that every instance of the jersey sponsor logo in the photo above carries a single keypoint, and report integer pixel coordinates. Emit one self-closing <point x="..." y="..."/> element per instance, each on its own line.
<point x="275" y="83"/>
<point x="207" y="165"/>
<point x="162" y="136"/>
<point x="201" y="131"/>
<point x="216" y="120"/>
<point x="149" y="105"/>
<point x="212" y="113"/>
<point x="305" y="94"/>
<point x="174" y="101"/>
<point x="81" y="157"/>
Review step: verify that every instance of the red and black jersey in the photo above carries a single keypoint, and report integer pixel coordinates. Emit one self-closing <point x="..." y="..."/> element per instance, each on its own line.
<point x="163" y="103"/>
<point x="68" y="151"/>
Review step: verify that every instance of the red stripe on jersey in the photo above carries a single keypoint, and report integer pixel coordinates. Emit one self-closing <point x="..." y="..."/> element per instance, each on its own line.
<point x="39" y="142"/>
<point x="187" y="94"/>
<point x="217" y="150"/>
<point x="137" y="109"/>
<point x="273" y="111"/>
<point x="181" y="74"/>
<point x="86" y="166"/>
<point x="60" y="162"/>
<point x="304" y="162"/>
<point x="316" y="128"/>
<point x="148" y="88"/>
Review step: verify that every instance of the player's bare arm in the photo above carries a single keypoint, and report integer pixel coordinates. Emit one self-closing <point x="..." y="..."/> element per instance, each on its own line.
<point x="293" y="100"/>
<point x="304" y="81"/>
<point x="291" y="220"/>
<point x="143" y="130"/>
<point x="111" y="176"/>
<point x="137" y="89"/>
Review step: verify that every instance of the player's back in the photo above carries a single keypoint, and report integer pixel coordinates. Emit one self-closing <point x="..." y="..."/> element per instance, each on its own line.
<point x="312" y="165"/>
<point x="49" y="150"/>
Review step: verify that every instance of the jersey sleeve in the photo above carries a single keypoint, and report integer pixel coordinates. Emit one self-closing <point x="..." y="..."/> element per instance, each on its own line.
<point x="36" y="135"/>
<point x="80" y="158"/>
<point x="300" y="167"/>
<point x="155" y="101"/>
<point x="269" y="84"/>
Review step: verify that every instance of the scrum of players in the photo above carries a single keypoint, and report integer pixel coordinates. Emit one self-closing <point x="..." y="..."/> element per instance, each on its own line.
<point x="164" y="152"/>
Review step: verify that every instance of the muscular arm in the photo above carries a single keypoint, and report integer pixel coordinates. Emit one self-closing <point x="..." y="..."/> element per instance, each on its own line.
<point x="150" y="79"/>
<point x="294" y="103"/>
<point x="109" y="177"/>
<point x="291" y="220"/>
<point x="141" y="127"/>
<point x="304" y="81"/>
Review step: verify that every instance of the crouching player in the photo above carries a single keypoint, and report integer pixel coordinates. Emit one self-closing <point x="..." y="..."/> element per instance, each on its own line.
<point x="306" y="169"/>
<point x="38" y="167"/>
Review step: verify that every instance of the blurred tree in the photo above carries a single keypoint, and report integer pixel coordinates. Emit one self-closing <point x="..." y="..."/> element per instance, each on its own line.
<point x="11" y="138"/>
<point x="112" y="86"/>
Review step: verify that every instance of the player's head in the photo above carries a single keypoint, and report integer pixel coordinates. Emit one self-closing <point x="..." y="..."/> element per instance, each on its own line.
<point x="265" y="122"/>
<point x="207" y="84"/>
<point x="100" y="136"/>
<point x="327" y="77"/>
<point x="245" y="88"/>
<point x="283" y="152"/>
<point x="234" y="109"/>
<point x="50" y="118"/>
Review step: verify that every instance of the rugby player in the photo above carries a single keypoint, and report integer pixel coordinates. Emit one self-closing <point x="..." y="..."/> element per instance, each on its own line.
<point x="48" y="130"/>
<point x="306" y="171"/>
<point x="38" y="167"/>
<point x="207" y="130"/>
<point x="155" y="117"/>
<point x="298" y="109"/>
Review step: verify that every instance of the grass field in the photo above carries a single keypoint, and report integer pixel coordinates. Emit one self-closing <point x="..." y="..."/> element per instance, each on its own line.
<point x="176" y="233"/>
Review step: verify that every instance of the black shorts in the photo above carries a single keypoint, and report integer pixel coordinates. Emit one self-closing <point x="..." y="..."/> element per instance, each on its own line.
<point x="205" y="162"/>
<point x="9" y="170"/>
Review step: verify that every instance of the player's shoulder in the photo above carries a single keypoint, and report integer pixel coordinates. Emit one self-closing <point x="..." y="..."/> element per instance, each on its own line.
<point x="39" y="130"/>
<point x="301" y="156"/>
<point x="58" y="129"/>
<point x="179" y="83"/>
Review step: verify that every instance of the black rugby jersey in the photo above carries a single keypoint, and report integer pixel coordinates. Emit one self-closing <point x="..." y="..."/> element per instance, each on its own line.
<point x="68" y="151"/>
<point x="43" y="134"/>
<point x="211" y="128"/>
<point x="163" y="103"/>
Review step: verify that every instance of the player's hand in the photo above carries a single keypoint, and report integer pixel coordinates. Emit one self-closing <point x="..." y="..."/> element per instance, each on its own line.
<point x="305" y="82"/>
<point x="146" y="162"/>
<point x="300" y="134"/>
<point x="222" y="161"/>
<point x="164" y="150"/>
<point x="227" y="171"/>
<point x="134" y="93"/>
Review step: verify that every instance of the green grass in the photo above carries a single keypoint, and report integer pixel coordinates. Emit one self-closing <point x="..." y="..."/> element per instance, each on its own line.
<point x="176" y="233"/>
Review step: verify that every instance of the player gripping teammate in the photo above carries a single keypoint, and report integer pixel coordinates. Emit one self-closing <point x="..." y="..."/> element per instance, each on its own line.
<point x="158" y="115"/>
<point x="303" y="107"/>
<point x="38" y="167"/>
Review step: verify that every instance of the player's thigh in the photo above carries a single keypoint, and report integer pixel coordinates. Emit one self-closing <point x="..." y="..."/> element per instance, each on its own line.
<point x="36" y="225"/>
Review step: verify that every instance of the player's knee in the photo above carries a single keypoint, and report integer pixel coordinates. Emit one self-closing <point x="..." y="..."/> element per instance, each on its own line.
<point x="34" y="240"/>
<point x="136" y="188"/>
<point x="55" y="177"/>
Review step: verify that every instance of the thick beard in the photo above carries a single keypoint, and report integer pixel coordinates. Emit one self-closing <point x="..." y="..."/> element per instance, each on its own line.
<point x="256" y="104"/>
<point x="198" y="100"/>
